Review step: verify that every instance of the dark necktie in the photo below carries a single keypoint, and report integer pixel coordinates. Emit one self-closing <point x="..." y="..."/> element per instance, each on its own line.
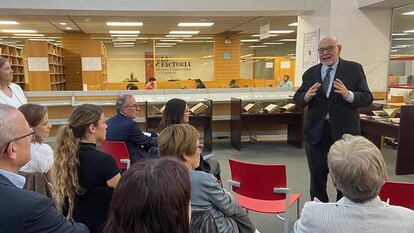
<point x="326" y="80"/>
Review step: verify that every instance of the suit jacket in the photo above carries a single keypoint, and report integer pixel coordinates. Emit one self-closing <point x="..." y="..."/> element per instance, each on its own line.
<point x="346" y="216"/>
<point x="23" y="211"/>
<point x="343" y="116"/>
<point x="123" y="128"/>
<point x="206" y="194"/>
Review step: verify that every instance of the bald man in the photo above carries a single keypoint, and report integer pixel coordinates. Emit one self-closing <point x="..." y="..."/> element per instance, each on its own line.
<point x="333" y="90"/>
<point x="23" y="211"/>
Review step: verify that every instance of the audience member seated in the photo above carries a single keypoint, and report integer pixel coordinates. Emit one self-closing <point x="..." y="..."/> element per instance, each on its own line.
<point x="21" y="210"/>
<point x="233" y="84"/>
<point x="177" y="112"/>
<point x="10" y="93"/>
<point x="151" y="84"/>
<point x="199" y="84"/>
<point x="122" y="127"/>
<point x="357" y="170"/>
<point x="84" y="177"/>
<point x="152" y="196"/>
<point x="42" y="153"/>
<point x="132" y="86"/>
<point x="181" y="141"/>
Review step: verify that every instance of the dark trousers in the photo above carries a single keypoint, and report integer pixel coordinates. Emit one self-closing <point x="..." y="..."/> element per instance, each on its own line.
<point x="317" y="155"/>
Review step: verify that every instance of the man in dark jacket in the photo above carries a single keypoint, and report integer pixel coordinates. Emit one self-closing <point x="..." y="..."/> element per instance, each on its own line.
<point x="23" y="211"/>
<point x="122" y="127"/>
<point x="333" y="91"/>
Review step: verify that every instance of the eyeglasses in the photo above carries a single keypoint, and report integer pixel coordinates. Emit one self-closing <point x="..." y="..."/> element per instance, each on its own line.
<point x="328" y="49"/>
<point x="133" y="106"/>
<point x="18" y="138"/>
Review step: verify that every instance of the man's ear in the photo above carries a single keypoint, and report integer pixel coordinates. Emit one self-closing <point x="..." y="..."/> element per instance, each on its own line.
<point x="11" y="152"/>
<point x="339" y="49"/>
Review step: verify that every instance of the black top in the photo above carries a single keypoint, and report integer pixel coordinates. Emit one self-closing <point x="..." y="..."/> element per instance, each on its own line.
<point x="95" y="169"/>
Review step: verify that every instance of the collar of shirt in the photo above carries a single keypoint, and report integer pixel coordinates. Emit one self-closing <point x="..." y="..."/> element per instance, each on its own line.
<point x="325" y="67"/>
<point x="375" y="202"/>
<point x="16" y="179"/>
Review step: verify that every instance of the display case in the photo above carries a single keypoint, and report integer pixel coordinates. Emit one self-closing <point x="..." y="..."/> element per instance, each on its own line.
<point x="200" y="117"/>
<point x="255" y="112"/>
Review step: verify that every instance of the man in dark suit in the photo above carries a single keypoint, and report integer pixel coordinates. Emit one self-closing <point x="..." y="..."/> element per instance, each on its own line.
<point x="122" y="127"/>
<point x="23" y="211"/>
<point x="333" y="91"/>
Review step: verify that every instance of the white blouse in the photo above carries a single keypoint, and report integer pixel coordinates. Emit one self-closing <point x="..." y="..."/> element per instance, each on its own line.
<point x="42" y="159"/>
<point x="17" y="99"/>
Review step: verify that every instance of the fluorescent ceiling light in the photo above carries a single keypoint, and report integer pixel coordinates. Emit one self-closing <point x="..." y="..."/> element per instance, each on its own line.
<point x="26" y="37"/>
<point x="273" y="43"/>
<point x="201" y="24"/>
<point x="68" y="28"/>
<point x="123" y="40"/>
<point x="163" y="46"/>
<point x="121" y="35"/>
<point x="184" y="32"/>
<point x="291" y="40"/>
<point x="178" y="35"/>
<point x="193" y="41"/>
<point x="123" y="32"/>
<point x="9" y="23"/>
<point x="403" y="39"/>
<point x="408" y="13"/>
<point x="209" y="41"/>
<point x="171" y="40"/>
<point x="41" y="39"/>
<point x="295" y="24"/>
<point x="393" y="50"/>
<point x="31" y="35"/>
<point x="19" y="31"/>
<point x="400" y="46"/>
<point x="124" y="43"/>
<point x="248" y="55"/>
<point x="281" y="31"/>
<point x="399" y="34"/>
<point x="409" y="31"/>
<point x="250" y="40"/>
<point x="123" y="46"/>
<point x="124" y="24"/>
<point x="166" y="43"/>
<point x="202" y="38"/>
<point x="272" y="35"/>
<point x="62" y="23"/>
<point x="258" y="46"/>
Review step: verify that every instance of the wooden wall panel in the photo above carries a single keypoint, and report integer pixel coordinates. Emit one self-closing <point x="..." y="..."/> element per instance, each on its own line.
<point x="226" y="69"/>
<point x="71" y="44"/>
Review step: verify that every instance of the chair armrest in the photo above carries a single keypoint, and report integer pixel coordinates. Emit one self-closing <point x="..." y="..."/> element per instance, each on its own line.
<point x="127" y="161"/>
<point x="233" y="183"/>
<point x="281" y="190"/>
<point x="208" y="156"/>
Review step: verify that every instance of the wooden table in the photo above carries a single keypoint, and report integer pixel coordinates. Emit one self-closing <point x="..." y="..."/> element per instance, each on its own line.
<point x="403" y="132"/>
<point x="294" y="120"/>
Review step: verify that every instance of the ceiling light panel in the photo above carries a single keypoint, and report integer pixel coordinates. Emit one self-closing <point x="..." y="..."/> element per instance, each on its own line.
<point x="123" y="32"/>
<point x="184" y="32"/>
<point x="281" y="31"/>
<point x="9" y="23"/>
<point x="19" y="31"/>
<point x="125" y="24"/>
<point x="197" y="24"/>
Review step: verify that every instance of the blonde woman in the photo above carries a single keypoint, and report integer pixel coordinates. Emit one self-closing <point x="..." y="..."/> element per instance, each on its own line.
<point x="182" y="141"/>
<point x="83" y="177"/>
<point x="42" y="153"/>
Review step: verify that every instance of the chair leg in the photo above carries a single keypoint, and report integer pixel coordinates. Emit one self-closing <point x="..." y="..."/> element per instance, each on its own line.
<point x="286" y="223"/>
<point x="297" y="208"/>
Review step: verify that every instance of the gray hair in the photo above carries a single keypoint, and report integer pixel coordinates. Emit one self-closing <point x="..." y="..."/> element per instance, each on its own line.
<point x="8" y="128"/>
<point x="121" y="102"/>
<point x="357" y="168"/>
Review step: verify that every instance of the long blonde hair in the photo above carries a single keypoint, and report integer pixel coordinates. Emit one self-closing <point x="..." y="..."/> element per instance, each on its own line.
<point x="65" y="177"/>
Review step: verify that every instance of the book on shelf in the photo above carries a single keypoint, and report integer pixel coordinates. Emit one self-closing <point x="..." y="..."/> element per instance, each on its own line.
<point x="198" y="108"/>
<point x="271" y="108"/>
<point x="159" y="110"/>
<point x="386" y="112"/>
<point x="250" y="107"/>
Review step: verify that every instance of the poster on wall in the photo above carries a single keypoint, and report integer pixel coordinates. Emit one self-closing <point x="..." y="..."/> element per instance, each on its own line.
<point x="310" y="49"/>
<point x="168" y="68"/>
<point x="38" y="63"/>
<point x="91" y="64"/>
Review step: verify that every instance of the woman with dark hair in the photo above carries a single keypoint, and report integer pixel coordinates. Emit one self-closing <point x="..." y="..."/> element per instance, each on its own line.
<point x="177" y="112"/>
<point x="84" y="177"/>
<point x="199" y="84"/>
<point x="131" y="86"/>
<point x="10" y="93"/>
<point x="42" y="153"/>
<point x="233" y="84"/>
<point x="152" y="196"/>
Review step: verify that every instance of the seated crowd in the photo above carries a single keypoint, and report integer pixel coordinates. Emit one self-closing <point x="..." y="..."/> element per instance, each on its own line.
<point x="167" y="182"/>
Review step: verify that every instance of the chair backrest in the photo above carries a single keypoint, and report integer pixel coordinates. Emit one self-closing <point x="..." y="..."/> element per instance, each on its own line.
<point x="117" y="149"/>
<point x="258" y="180"/>
<point x="398" y="193"/>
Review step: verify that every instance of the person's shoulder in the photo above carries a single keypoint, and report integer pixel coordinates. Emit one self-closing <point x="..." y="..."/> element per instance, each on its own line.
<point x="15" y="87"/>
<point x="19" y="196"/>
<point x="402" y="211"/>
<point x="42" y="147"/>
<point x="312" y="69"/>
<point x="201" y="177"/>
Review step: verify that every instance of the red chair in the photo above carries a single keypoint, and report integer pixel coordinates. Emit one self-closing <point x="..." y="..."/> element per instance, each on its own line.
<point x="262" y="188"/>
<point x="119" y="151"/>
<point x="398" y="193"/>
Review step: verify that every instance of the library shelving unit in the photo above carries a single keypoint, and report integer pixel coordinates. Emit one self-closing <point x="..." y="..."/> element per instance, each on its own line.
<point x="94" y="64"/>
<point x="45" y="66"/>
<point x="15" y="57"/>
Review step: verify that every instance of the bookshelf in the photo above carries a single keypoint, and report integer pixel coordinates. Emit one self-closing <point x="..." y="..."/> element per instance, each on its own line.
<point x="94" y="63"/>
<point x="45" y="66"/>
<point x="15" y="57"/>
